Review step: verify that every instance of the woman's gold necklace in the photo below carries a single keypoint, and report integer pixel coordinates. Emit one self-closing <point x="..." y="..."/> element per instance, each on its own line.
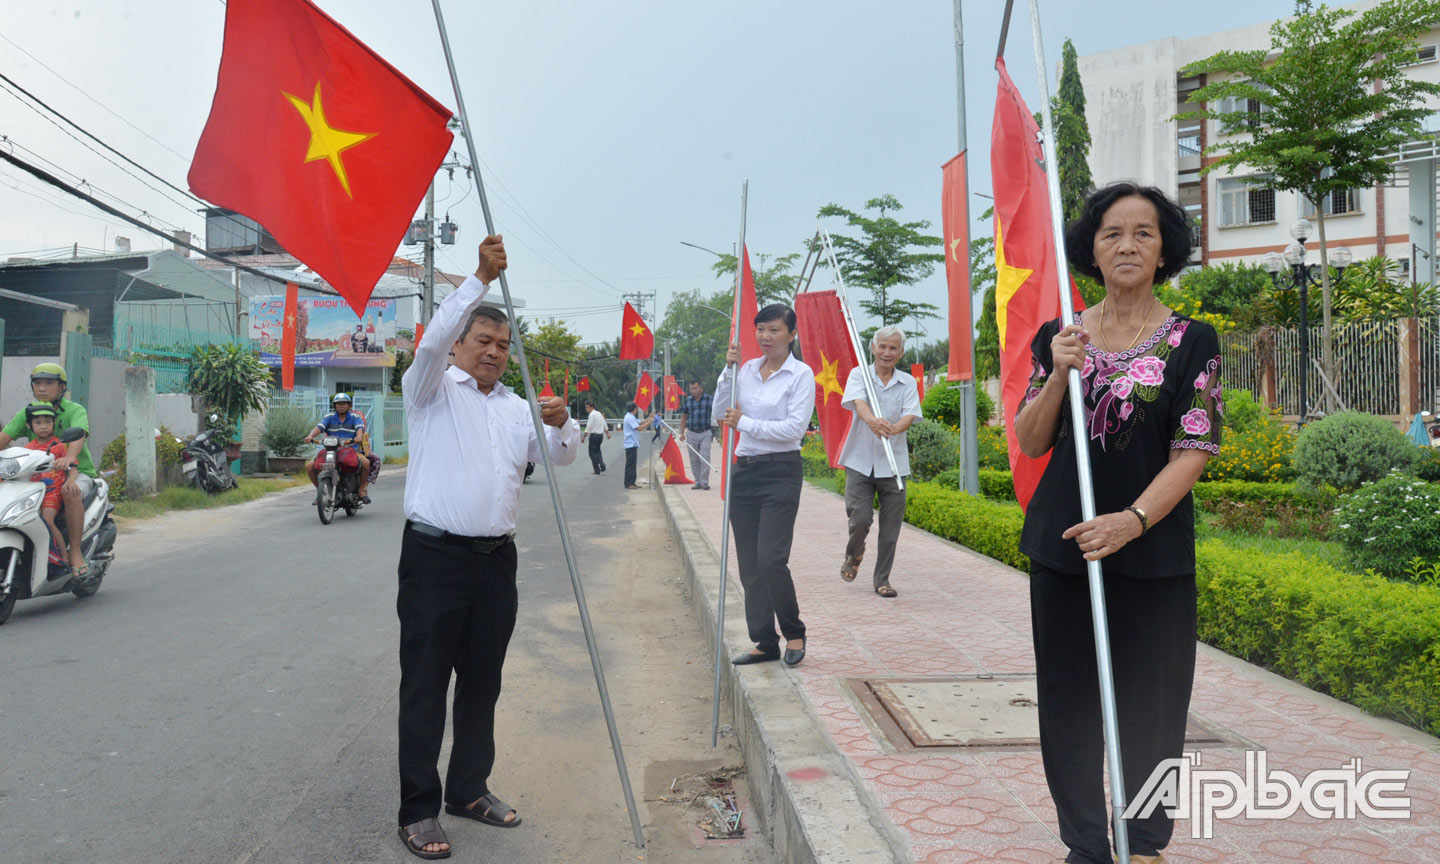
<point x="1143" y="326"/>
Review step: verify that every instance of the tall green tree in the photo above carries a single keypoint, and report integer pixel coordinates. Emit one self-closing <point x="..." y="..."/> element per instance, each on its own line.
<point x="1072" y="136"/>
<point x="887" y="256"/>
<point x="697" y="325"/>
<point x="1320" y="117"/>
<point x="774" y="281"/>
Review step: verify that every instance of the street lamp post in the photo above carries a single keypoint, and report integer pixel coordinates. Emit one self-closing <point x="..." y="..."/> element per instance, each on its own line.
<point x="1302" y="279"/>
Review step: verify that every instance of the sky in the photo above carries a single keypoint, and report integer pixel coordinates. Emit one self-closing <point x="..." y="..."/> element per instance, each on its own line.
<point x="607" y="133"/>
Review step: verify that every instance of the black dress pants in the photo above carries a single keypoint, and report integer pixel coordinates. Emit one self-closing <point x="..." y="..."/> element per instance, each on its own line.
<point x="630" y="455"/>
<point x="1152" y="641"/>
<point x="597" y="460"/>
<point x="457" y="610"/>
<point x="763" y="506"/>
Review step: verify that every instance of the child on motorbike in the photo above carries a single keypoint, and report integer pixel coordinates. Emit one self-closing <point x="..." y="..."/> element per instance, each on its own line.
<point x="40" y="419"/>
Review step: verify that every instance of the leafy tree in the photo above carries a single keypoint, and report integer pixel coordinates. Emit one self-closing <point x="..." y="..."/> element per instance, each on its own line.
<point x="557" y="342"/>
<point x="698" y="325"/>
<point x="1240" y="292"/>
<point x="888" y="256"/>
<point x="1335" y="100"/>
<point x="1072" y="136"/>
<point x="774" y="283"/>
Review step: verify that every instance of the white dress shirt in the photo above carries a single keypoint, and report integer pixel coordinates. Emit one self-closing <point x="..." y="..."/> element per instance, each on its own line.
<point x="776" y="411"/>
<point x="595" y="423"/>
<point x="863" y="449"/>
<point x="468" y="449"/>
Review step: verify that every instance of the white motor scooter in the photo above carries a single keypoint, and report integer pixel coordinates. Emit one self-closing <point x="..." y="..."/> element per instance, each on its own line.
<point x="25" y="568"/>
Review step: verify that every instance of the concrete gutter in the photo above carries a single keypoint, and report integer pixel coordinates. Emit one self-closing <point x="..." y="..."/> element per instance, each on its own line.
<point x="811" y="806"/>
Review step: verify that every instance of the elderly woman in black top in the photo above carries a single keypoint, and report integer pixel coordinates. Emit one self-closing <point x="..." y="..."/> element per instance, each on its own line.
<point x="1151" y="384"/>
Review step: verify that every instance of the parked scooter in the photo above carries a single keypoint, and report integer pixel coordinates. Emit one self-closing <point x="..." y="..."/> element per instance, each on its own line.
<point x="204" y="462"/>
<point x="25" y="568"/>
<point x="338" y="479"/>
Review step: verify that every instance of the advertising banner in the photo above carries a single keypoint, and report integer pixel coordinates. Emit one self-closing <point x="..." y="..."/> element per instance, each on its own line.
<point x="327" y="331"/>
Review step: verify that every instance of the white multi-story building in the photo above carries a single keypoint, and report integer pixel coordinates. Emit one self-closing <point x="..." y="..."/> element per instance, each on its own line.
<point x="1132" y="95"/>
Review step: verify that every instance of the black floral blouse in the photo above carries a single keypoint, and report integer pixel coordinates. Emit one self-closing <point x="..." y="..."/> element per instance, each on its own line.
<point x="1140" y="404"/>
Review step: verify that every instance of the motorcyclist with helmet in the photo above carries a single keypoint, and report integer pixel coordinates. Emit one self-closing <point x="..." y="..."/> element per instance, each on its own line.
<point x="40" y="418"/>
<point x="348" y="426"/>
<point x="48" y="384"/>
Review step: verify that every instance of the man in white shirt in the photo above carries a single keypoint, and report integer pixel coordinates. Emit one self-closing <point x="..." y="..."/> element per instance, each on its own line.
<point x="594" y="428"/>
<point x="470" y="438"/>
<point x="867" y="469"/>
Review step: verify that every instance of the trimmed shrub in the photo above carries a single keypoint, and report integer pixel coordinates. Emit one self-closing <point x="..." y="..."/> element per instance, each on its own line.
<point x="993" y="450"/>
<point x="994" y="485"/>
<point x="1427" y="464"/>
<point x="933" y="449"/>
<point x="285" y="430"/>
<point x="944" y="403"/>
<point x="989" y="527"/>
<point x="1347" y="449"/>
<point x="1387" y="523"/>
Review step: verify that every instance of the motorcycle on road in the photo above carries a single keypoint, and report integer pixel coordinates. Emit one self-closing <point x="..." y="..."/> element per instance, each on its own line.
<point x="204" y="463"/>
<point x="25" y="568"/>
<point x="338" y="480"/>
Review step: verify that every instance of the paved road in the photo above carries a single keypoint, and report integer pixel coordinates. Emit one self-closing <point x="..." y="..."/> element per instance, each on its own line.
<point x="229" y="695"/>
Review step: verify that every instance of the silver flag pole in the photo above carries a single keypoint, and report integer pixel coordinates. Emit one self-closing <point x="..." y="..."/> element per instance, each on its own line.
<point x="1082" y="458"/>
<point x="729" y="456"/>
<point x="532" y="400"/>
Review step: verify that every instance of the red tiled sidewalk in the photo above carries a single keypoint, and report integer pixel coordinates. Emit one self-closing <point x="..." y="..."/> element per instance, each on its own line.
<point x="962" y="614"/>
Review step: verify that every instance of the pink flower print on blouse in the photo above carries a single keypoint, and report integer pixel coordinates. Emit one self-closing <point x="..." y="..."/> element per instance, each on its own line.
<point x="1126" y="410"/>
<point x="1177" y="334"/>
<point x="1088" y="367"/>
<point x="1122" y="388"/>
<point x="1201" y="379"/>
<point x="1148" y="371"/>
<point x="1195" y="422"/>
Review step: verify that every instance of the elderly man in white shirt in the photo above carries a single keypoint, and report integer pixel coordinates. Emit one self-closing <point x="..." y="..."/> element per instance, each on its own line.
<point x="595" y="427"/>
<point x="470" y="438"/>
<point x="867" y="469"/>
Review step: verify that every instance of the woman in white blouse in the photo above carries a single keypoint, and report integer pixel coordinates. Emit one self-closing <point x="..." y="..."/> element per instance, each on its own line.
<point x="776" y="400"/>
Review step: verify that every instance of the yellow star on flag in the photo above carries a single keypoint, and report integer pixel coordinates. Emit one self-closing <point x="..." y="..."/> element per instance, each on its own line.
<point x="326" y="142"/>
<point x="1008" y="279"/>
<point x="828" y="379"/>
<point x="637" y="328"/>
<point x="290" y="320"/>
<point x="955" y="249"/>
<point x="669" y="472"/>
<point x="644" y="391"/>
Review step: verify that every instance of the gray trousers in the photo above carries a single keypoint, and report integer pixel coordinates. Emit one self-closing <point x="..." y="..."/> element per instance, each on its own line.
<point x="701" y="442"/>
<point x="860" y="492"/>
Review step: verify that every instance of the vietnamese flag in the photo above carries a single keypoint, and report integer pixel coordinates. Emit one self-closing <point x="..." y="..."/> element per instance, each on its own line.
<point x="547" y="392"/>
<point x="742" y="332"/>
<point x="954" y="216"/>
<point x="917" y="371"/>
<point x="316" y="137"/>
<point x="637" y="342"/>
<point x="672" y="393"/>
<point x="674" y="462"/>
<point x="644" y="391"/>
<point x="1026" y="273"/>
<point x="419" y="334"/>
<point x="825" y="342"/>
<point x="583" y="384"/>
<point x="287" y="337"/>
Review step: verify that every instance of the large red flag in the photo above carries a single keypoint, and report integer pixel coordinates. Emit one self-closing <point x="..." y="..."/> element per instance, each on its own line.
<point x="583" y="384"/>
<point x="287" y="337"/>
<point x="957" y="267"/>
<point x="316" y="137"/>
<point x="1026" y="272"/>
<point x="637" y="342"/>
<point x="644" y="391"/>
<point x="825" y="342"/>
<point x="672" y="393"/>
<point x="742" y="330"/>
<point x="674" y="462"/>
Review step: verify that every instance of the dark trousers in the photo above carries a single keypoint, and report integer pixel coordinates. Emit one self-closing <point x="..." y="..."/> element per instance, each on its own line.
<point x="457" y="611"/>
<point x="763" y="505"/>
<point x="1152" y="640"/>
<point x="597" y="459"/>
<point x="860" y="492"/>
<point x="630" y="455"/>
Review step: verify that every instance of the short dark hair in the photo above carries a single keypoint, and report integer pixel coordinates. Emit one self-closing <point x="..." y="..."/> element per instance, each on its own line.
<point x="697" y="383"/>
<point x="1175" y="237"/>
<point x="589" y="404"/>
<point x="777" y="312"/>
<point x="630" y="407"/>
<point x="489" y="313"/>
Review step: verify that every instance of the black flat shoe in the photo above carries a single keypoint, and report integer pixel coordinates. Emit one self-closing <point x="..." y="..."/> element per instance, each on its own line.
<point x="795" y="655"/>
<point x="747" y="659"/>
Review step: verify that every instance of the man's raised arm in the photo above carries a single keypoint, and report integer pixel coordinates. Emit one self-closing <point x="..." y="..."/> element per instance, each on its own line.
<point x="422" y="380"/>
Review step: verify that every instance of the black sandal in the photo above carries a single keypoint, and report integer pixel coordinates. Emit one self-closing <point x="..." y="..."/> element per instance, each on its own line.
<point x="417" y="835"/>
<point x="886" y="591"/>
<point x="491" y="804"/>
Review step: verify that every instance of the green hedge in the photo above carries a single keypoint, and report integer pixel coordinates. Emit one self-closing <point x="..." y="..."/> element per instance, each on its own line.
<point x="995" y="485"/>
<point x="1363" y="639"/>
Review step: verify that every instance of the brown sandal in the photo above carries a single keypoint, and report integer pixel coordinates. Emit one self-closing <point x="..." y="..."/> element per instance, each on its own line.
<point x="417" y="835"/>
<point x="886" y="591"/>
<point x="491" y="805"/>
<point x="850" y="569"/>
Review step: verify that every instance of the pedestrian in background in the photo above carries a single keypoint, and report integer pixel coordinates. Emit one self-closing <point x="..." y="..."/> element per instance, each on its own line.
<point x="594" y="428"/>
<point x="631" y="440"/>
<point x="867" y="468"/>
<point x="695" y="430"/>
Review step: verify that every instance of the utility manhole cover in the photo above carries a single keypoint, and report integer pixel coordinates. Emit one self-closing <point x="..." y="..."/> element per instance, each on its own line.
<point x="991" y="711"/>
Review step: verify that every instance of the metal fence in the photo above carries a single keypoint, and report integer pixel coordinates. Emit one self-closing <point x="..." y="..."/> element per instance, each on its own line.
<point x="384" y="415"/>
<point x="1367" y="364"/>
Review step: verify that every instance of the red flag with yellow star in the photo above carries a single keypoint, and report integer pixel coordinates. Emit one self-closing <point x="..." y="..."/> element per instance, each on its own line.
<point x="825" y="342"/>
<point x="672" y="393"/>
<point x="645" y="391"/>
<point x="674" y="462"/>
<point x="637" y="342"/>
<point x="317" y="138"/>
<point x="287" y="337"/>
<point x="1026" y="273"/>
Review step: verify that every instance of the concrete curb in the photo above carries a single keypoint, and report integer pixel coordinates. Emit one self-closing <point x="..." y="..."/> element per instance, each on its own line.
<point x="811" y="806"/>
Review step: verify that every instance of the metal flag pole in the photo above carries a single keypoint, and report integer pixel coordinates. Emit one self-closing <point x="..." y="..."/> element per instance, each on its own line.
<point x="1082" y="458"/>
<point x="970" y="463"/>
<point x="729" y="454"/>
<point x="870" y="392"/>
<point x="534" y="404"/>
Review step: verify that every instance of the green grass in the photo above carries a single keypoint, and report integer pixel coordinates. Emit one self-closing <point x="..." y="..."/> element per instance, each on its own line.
<point x="190" y="498"/>
<point x="397" y="460"/>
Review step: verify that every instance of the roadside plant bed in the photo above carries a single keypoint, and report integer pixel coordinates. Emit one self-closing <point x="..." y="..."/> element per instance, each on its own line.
<point x="1360" y="638"/>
